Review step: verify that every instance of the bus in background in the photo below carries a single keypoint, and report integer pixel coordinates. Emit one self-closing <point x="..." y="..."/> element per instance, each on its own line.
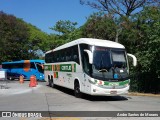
<point x="91" y="66"/>
<point x="24" y="67"/>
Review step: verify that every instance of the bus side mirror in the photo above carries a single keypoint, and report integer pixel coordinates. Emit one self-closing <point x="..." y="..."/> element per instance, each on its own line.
<point x="134" y="59"/>
<point x="90" y="55"/>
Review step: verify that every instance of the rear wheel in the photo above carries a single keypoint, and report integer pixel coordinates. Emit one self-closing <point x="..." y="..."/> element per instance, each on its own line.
<point x="53" y="85"/>
<point x="49" y="82"/>
<point x="77" y="91"/>
<point x="52" y="82"/>
<point x="10" y="78"/>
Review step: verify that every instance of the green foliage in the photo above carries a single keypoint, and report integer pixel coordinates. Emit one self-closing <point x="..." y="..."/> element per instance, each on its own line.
<point x="13" y="38"/>
<point x="67" y="32"/>
<point x="140" y="34"/>
<point x="143" y="39"/>
<point x="101" y="26"/>
<point x="20" y="40"/>
<point x="64" y="27"/>
<point x="38" y="39"/>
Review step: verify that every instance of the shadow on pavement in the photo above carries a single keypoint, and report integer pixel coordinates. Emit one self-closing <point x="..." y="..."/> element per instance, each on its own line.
<point x="92" y="98"/>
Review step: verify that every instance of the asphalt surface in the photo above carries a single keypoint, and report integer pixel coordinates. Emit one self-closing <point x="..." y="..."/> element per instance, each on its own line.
<point x="20" y="97"/>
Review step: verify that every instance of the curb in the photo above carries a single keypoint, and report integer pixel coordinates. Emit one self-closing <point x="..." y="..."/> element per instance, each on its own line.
<point x="143" y="94"/>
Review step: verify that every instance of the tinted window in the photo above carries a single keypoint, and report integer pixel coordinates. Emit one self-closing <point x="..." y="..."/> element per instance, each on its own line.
<point x="40" y="67"/>
<point x="49" y="57"/>
<point x="14" y="65"/>
<point x="64" y="55"/>
<point x="33" y="65"/>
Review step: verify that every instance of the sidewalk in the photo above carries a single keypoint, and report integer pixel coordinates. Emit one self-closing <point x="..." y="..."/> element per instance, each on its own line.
<point x="14" y="87"/>
<point x="143" y="94"/>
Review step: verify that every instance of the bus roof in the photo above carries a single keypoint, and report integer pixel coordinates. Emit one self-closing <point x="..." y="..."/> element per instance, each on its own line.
<point x="90" y="41"/>
<point x="22" y="61"/>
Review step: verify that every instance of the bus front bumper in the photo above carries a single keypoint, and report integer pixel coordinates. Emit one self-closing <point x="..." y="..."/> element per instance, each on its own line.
<point x="96" y="90"/>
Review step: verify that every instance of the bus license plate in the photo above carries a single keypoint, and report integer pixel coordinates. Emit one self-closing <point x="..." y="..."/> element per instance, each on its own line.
<point x="113" y="92"/>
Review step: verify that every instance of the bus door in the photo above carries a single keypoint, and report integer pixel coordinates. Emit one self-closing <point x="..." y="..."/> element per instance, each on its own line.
<point x="87" y="72"/>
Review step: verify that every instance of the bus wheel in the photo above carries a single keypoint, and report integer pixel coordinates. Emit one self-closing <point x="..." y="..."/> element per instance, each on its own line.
<point x="10" y="78"/>
<point x="77" y="91"/>
<point x="49" y="82"/>
<point x="53" y="84"/>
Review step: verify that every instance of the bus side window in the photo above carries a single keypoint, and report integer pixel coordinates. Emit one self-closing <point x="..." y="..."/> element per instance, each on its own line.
<point x="75" y="55"/>
<point x="67" y="54"/>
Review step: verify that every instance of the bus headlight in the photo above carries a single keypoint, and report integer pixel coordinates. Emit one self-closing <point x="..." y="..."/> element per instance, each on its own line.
<point x="92" y="81"/>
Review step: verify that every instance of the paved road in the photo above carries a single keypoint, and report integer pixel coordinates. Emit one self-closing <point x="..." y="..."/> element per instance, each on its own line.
<point x="20" y="97"/>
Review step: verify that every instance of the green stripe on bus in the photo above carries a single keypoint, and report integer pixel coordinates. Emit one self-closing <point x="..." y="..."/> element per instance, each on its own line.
<point x="122" y="83"/>
<point x="48" y="67"/>
<point x="61" y="67"/>
<point x="68" y="67"/>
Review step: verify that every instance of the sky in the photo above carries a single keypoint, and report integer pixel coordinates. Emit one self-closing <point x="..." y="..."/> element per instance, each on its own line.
<point x="45" y="13"/>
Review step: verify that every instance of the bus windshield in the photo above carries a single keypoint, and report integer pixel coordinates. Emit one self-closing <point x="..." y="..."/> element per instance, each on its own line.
<point x="107" y="61"/>
<point x="101" y="58"/>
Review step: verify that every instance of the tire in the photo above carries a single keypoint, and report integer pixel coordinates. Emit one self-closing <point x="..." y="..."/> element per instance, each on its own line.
<point x="53" y="85"/>
<point x="49" y="82"/>
<point x="77" y="91"/>
<point x="10" y="78"/>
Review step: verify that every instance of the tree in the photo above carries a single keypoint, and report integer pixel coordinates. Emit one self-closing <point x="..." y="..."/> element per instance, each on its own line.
<point x="148" y="49"/>
<point x="39" y="41"/>
<point x="66" y="31"/>
<point x="120" y="7"/>
<point x="101" y="26"/>
<point x="64" y="27"/>
<point x="20" y="40"/>
<point x="13" y="38"/>
<point x="143" y="39"/>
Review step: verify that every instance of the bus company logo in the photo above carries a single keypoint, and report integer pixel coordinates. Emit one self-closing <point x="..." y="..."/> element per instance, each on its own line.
<point x="6" y="114"/>
<point x="114" y="84"/>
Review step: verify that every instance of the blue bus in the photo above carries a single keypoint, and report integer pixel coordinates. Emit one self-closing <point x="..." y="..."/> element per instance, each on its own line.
<point x="24" y="67"/>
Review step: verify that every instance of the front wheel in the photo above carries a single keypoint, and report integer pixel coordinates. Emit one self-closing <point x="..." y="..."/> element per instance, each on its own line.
<point x="77" y="91"/>
<point x="10" y="78"/>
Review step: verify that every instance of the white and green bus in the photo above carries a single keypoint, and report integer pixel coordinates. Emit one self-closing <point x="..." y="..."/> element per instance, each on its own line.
<point x="90" y="66"/>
